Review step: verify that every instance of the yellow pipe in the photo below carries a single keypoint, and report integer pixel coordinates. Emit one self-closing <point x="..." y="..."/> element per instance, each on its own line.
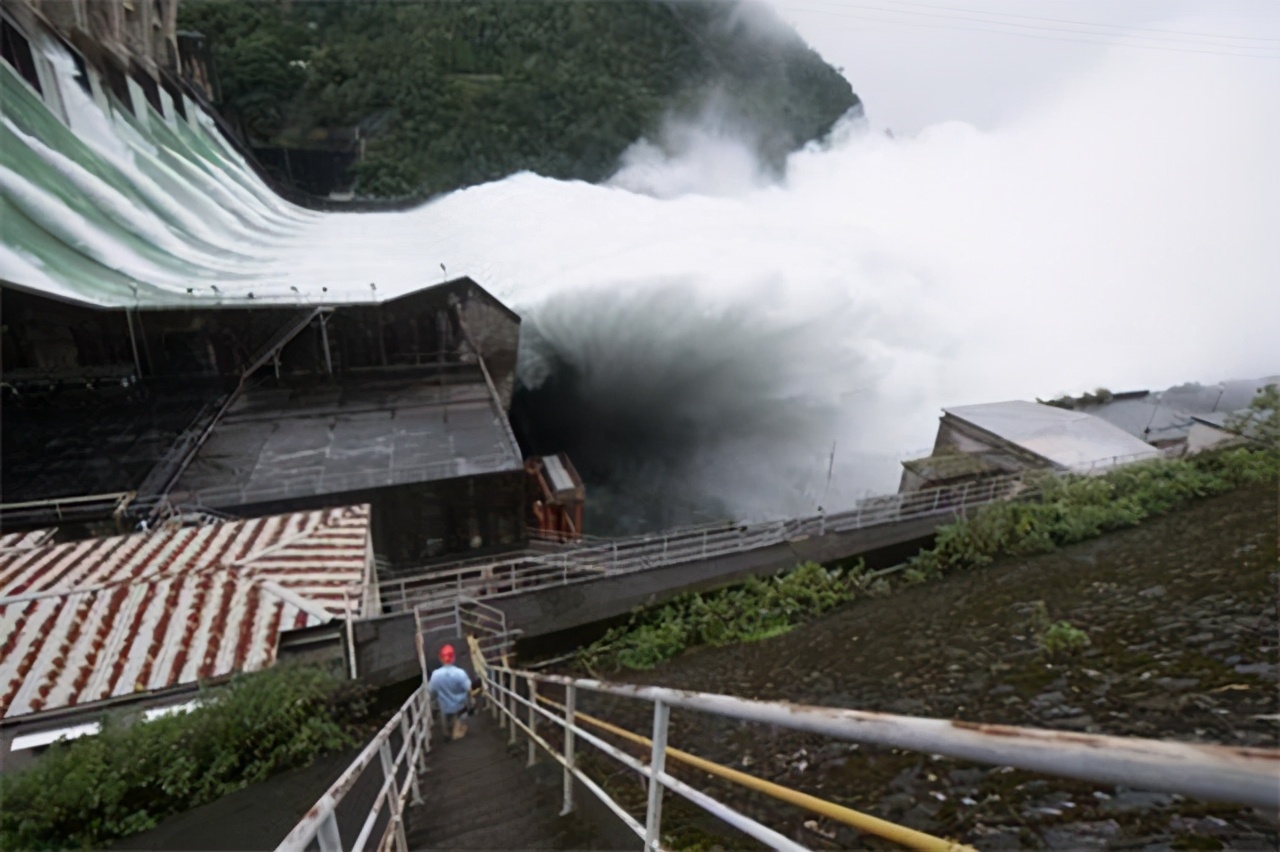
<point x="856" y="819"/>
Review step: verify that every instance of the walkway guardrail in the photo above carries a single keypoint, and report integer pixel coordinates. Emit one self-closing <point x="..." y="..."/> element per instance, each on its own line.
<point x="462" y="616"/>
<point x="364" y="808"/>
<point x="529" y="571"/>
<point x="588" y="560"/>
<point x="520" y="699"/>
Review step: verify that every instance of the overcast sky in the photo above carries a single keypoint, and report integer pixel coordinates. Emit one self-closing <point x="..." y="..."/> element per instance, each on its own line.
<point x="983" y="61"/>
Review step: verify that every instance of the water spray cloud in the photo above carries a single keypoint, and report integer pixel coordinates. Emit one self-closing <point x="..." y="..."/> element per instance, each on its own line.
<point x="709" y="334"/>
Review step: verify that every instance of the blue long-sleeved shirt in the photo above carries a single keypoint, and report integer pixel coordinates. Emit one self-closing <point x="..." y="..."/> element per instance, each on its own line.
<point x="450" y="687"/>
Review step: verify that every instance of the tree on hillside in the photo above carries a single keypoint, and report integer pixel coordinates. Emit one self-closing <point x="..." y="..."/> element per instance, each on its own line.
<point x="1261" y="420"/>
<point x="452" y="94"/>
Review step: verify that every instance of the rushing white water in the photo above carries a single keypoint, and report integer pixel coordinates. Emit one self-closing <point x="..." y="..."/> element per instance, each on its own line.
<point x="726" y="331"/>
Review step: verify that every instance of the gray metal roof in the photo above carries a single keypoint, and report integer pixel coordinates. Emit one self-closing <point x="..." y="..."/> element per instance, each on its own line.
<point x="278" y="443"/>
<point x="1168" y="415"/>
<point x="1068" y="439"/>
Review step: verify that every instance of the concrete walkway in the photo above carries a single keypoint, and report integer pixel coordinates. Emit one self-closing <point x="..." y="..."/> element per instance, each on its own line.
<point x="477" y="794"/>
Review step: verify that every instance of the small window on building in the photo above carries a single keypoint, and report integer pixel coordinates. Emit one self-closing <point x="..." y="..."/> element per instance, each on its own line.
<point x="16" y="50"/>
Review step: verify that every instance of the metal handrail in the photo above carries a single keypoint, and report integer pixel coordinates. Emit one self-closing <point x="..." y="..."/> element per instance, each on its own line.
<point x="229" y="496"/>
<point x="840" y="813"/>
<point x="587" y="560"/>
<point x="1240" y="775"/>
<point x="320" y="824"/>
<point x="581" y="562"/>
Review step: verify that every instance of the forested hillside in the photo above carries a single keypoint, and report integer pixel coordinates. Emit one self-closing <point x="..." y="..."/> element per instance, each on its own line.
<point x="449" y="94"/>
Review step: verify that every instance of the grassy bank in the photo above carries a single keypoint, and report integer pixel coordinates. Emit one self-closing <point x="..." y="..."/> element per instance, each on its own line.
<point x="758" y="609"/>
<point x="87" y="792"/>
<point x="1066" y="510"/>
<point x="1076" y="508"/>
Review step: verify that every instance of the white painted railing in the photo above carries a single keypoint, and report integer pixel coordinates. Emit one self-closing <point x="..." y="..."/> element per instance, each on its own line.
<point x="486" y="579"/>
<point x="520" y="700"/>
<point x="390" y="763"/>
<point x="230" y="496"/>
<point x="459" y="616"/>
<point x="583" y="561"/>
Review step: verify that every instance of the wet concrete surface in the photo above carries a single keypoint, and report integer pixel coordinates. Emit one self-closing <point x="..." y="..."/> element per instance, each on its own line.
<point x="1182" y="618"/>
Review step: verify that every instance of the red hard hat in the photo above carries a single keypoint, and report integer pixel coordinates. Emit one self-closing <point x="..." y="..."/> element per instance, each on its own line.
<point x="446" y="654"/>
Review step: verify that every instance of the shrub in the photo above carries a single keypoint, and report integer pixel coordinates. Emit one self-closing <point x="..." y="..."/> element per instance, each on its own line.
<point x="1071" y="509"/>
<point x="756" y="610"/>
<point x="126" y="779"/>
<point x="1063" y="638"/>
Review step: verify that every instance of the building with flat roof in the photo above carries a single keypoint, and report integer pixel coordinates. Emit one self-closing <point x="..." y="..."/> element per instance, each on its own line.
<point x="1006" y="437"/>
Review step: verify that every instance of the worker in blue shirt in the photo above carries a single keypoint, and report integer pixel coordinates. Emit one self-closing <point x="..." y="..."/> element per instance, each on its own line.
<point x="450" y="686"/>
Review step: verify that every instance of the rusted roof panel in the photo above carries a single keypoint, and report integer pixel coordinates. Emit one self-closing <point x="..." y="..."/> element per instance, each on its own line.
<point x="95" y="619"/>
<point x="27" y="539"/>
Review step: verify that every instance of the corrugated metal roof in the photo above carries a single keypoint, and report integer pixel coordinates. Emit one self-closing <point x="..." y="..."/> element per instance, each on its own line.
<point x="1069" y="439"/>
<point x="1168" y="415"/>
<point x="27" y="539"/>
<point x="90" y="620"/>
<point x="282" y="443"/>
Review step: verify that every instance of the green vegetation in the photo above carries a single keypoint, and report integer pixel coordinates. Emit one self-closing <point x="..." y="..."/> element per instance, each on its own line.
<point x="1261" y="421"/>
<point x="1062" y="637"/>
<point x="756" y="610"/>
<point x="88" y="791"/>
<point x="1056" y="638"/>
<point x="1075" y="508"/>
<point x="1098" y="397"/>
<point x="1067" y="510"/>
<point x="449" y="94"/>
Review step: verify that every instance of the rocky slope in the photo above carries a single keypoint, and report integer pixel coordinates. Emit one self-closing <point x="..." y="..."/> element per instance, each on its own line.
<point x="1182" y="618"/>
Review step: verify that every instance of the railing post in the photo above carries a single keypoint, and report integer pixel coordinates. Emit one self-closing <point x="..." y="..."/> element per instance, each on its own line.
<point x="615" y="556"/>
<point x="533" y="721"/>
<point x="664" y="548"/>
<point x="704" y="544"/>
<point x="327" y="835"/>
<point x="393" y="797"/>
<point x="657" y="765"/>
<point x="570" y="711"/>
<point x="457" y="611"/>
<point x="511" y="697"/>
<point x="407" y="736"/>
<point x="425" y="721"/>
<point x="351" y="637"/>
